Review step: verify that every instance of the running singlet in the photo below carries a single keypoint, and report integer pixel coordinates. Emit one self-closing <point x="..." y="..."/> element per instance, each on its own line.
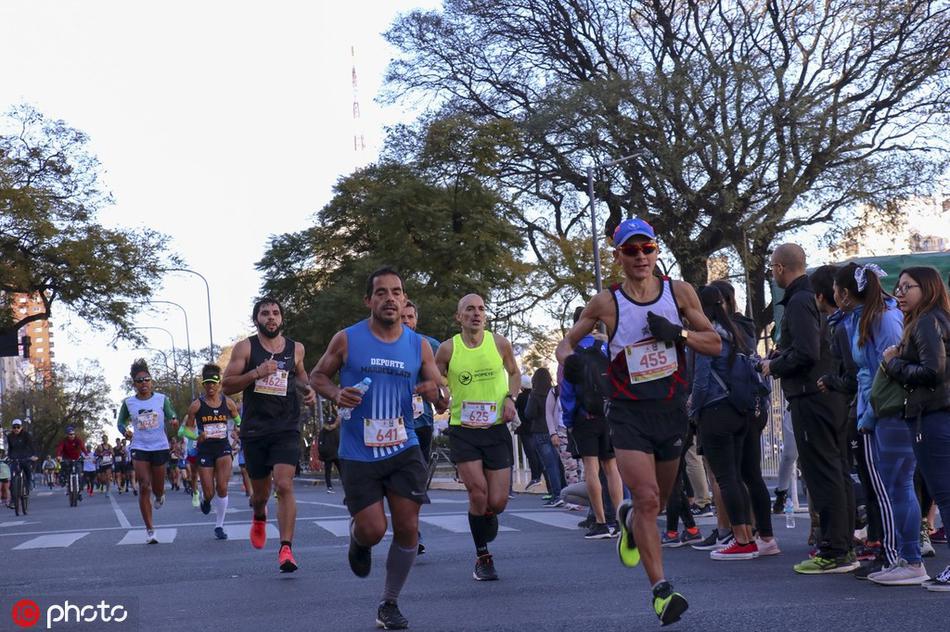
<point x="105" y="457"/>
<point x="148" y="418"/>
<point x="478" y="382"/>
<point x="642" y="368"/>
<point x="89" y="462"/>
<point x="213" y="420"/>
<point x="381" y="426"/>
<point x="271" y="403"/>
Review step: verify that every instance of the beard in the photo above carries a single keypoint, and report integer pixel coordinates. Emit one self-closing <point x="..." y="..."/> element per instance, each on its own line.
<point x="263" y="330"/>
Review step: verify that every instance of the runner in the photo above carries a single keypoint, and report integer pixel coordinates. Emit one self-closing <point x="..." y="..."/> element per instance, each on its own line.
<point x="482" y="375"/>
<point x="647" y="414"/>
<point x="148" y="412"/>
<point x="90" y="469"/>
<point x="379" y="449"/>
<point x="269" y="368"/>
<point x="121" y="465"/>
<point x="207" y="422"/>
<point x="104" y="460"/>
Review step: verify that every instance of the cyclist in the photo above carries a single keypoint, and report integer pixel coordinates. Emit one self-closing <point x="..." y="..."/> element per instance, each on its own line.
<point x="20" y="448"/>
<point x="49" y="471"/>
<point x="69" y="450"/>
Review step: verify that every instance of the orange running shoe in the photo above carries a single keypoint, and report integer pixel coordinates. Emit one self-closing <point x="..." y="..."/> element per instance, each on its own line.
<point x="258" y="533"/>
<point x="287" y="562"/>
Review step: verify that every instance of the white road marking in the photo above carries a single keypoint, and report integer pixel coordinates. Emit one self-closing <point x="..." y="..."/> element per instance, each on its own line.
<point x="550" y="517"/>
<point x="164" y="536"/>
<point x="55" y="541"/>
<point x="123" y="521"/>
<point x="457" y="523"/>
<point x="16" y="523"/>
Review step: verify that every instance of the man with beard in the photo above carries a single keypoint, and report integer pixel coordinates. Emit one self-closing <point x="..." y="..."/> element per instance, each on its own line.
<point x="269" y="369"/>
<point x="378" y="444"/>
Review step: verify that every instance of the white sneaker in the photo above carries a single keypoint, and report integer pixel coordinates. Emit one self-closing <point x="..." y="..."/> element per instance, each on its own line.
<point x="158" y="502"/>
<point x="150" y="537"/>
<point x="903" y="574"/>
<point x="767" y="548"/>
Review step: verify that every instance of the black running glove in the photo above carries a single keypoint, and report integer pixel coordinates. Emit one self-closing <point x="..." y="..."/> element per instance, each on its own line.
<point x="662" y="329"/>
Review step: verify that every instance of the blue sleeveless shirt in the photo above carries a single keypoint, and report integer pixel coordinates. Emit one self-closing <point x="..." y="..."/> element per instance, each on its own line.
<point x="394" y="368"/>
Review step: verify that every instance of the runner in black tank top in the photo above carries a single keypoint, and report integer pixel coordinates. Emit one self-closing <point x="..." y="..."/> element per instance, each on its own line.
<point x="644" y="318"/>
<point x="269" y="369"/>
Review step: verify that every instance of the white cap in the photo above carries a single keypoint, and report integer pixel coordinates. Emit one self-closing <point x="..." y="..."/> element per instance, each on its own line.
<point x="525" y="381"/>
<point x="17" y="422"/>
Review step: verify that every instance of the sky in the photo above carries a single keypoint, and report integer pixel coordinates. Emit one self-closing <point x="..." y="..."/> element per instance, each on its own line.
<point x="216" y="123"/>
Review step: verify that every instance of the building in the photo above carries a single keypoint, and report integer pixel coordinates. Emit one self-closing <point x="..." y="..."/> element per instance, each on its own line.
<point x="923" y="225"/>
<point x="40" y="332"/>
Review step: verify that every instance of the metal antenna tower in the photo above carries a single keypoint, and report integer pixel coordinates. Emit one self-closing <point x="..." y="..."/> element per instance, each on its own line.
<point x="358" y="143"/>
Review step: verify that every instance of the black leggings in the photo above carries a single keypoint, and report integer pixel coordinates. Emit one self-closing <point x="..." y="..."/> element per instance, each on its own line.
<point x="722" y="432"/>
<point x="750" y="470"/>
<point x="328" y="470"/>
<point x="677" y="505"/>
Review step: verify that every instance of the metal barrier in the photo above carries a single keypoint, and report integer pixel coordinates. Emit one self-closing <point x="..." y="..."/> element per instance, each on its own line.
<point x="772" y="434"/>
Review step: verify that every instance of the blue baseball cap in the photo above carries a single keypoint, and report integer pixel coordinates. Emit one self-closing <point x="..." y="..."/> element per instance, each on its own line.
<point x="70" y="430"/>
<point x="631" y="227"/>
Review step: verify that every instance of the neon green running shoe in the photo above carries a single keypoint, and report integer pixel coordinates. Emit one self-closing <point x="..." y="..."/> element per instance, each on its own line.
<point x="626" y="545"/>
<point x="669" y="606"/>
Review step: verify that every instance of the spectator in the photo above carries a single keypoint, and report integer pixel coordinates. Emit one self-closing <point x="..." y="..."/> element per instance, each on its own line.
<point x="5" y="497"/>
<point x="543" y="440"/>
<point x="524" y="433"/>
<point x="328" y="444"/>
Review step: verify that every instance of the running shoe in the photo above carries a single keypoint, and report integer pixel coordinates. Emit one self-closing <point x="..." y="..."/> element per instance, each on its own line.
<point x="940" y="583"/>
<point x="388" y="617"/>
<point x="926" y="547"/>
<point x="903" y="574"/>
<point x="714" y="542"/>
<point x="698" y="511"/>
<point x="939" y="536"/>
<point x="194" y="499"/>
<point x="157" y="501"/>
<point x="258" y="533"/>
<point x="485" y="569"/>
<point x="872" y="567"/>
<point x="150" y="537"/>
<point x="330" y="490"/>
<point x="547" y="496"/>
<point x="286" y="559"/>
<point x="767" y="548"/>
<point x="597" y="531"/>
<point x="206" y="507"/>
<point x="554" y="503"/>
<point x="691" y="536"/>
<point x="736" y="551"/>
<point x="360" y="557"/>
<point x="532" y="483"/>
<point x="421" y="549"/>
<point x="668" y="605"/>
<point x="220" y="533"/>
<point x="626" y="545"/>
<point x="586" y="523"/>
<point x="670" y="540"/>
<point x="819" y="565"/>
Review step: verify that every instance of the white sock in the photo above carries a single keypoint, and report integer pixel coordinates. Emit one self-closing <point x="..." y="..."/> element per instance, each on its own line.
<point x="220" y="509"/>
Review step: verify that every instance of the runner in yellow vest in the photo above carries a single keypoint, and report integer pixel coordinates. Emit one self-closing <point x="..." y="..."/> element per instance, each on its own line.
<point x="482" y="375"/>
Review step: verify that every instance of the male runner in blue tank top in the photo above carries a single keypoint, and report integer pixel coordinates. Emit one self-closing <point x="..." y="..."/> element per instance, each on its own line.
<point x="269" y="369"/>
<point x="647" y="404"/>
<point x="378" y="446"/>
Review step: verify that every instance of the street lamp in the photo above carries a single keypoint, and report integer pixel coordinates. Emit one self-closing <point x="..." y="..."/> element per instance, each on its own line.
<point x="191" y="372"/>
<point x="598" y="279"/>
<point x="208" y="296"/>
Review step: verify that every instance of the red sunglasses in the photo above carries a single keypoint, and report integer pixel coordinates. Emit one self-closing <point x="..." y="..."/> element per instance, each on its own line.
<point x="632" y="250"/>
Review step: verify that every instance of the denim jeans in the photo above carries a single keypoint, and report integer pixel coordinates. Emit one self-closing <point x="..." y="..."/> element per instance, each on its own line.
<point x="933" y="457"/>
<point x="549" y="461"/>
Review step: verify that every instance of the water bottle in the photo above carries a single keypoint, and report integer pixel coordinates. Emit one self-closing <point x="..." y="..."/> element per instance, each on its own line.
<point x="789" y="514"/>
<point x="362" y="387"/>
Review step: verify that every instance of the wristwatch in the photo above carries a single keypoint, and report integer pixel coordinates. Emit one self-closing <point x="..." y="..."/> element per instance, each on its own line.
<point x="511" y="397"/>
<point x="684" y="334"/>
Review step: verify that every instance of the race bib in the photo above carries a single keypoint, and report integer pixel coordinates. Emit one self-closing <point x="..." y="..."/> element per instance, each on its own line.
<point x="273" y="384"/>
<point x="417" y="407"/>
<point x="384" y="433"/>
<point x="650" y="360"/>
<point x="106" y="459"/>
<point x="146" y="420"/>
<point x="479" y="414"/>
<point x="215" y="431"/>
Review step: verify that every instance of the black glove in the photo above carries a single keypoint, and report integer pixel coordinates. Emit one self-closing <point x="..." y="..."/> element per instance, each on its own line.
<point x="662" y="329"/>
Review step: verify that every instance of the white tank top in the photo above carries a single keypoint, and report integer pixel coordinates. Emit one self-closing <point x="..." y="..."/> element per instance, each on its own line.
<point x="661" y="374"/>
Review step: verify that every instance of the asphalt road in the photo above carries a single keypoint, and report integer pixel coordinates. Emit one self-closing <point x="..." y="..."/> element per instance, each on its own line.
<point x="551" y="578"/>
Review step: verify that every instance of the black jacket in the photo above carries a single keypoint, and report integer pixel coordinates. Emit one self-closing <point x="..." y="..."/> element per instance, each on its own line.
<point x="804" y="350"/>
<point x="845" y="379"/>
<point x="535" y="415"/>
<point x="922" y="366"/>
<point x="20" y="446"/>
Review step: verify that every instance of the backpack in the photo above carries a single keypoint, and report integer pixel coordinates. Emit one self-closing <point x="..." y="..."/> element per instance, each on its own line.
<point x="745" y="387"/>
<point x="586" y="370"/>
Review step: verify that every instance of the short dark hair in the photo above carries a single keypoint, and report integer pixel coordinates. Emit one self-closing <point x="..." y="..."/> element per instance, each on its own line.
<point x="210" y="370"/>
<point x="138" y="366"/>
<point x="823" y="283"/>
<point x="266" y="300"/>
<point x="577" y="313"/>
<point x="384" y="271"/>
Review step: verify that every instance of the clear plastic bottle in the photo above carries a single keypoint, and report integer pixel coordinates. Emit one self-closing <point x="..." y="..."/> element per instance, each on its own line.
<point x="789" y="514"/>
<point x="362" y="387"/>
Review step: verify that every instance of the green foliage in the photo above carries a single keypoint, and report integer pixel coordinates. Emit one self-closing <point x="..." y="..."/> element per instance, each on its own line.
<point x="50" y="241"/>
<point x="77" y="397"/>
<point x="446" y="241"/>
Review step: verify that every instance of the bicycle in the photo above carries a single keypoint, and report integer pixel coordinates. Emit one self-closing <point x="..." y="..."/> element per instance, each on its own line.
<point x="438" y="454"/>
<point x="19" y="485"/>
<point x="73" y="482"/>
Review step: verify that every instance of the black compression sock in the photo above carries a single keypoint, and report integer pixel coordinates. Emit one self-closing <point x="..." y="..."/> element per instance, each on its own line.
<point x="261" y="517"/>
<point x="286" y="542"/>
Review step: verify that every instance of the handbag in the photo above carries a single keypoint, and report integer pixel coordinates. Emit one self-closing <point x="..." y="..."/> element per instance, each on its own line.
<point x="887" y="395"/>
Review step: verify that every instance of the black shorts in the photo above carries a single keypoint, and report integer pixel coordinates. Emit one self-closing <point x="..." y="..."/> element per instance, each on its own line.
<point x="657" y="428"/>
<point x="154" y="457"/>
<point x="592" y="438"/>
<point x="367" y="482"/>
<point x="210" y="450"/>
<point x="105" y="468"/>
<point x="491" y="446"/>
<point x="262" y="453"/>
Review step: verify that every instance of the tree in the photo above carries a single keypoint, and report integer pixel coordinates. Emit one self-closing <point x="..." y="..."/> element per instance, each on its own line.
<point x="445" y="241"/>
<point x="77" y="397"/>
<point x="748" y="119"/>
<point x="51" y="245"/>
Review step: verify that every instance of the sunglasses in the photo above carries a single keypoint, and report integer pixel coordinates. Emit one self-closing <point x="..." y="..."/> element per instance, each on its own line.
<point x="632" y="250"/>
<point x="142" y="380"/>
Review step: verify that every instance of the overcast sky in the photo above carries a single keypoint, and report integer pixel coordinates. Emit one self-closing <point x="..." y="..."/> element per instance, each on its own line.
<point x="217" y="123"/>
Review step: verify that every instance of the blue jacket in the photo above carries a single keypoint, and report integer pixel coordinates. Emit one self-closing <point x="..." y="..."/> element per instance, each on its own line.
<point x="568" y="396"/>
<point x="706" y="389"/>
<point x="886" y="332"/>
